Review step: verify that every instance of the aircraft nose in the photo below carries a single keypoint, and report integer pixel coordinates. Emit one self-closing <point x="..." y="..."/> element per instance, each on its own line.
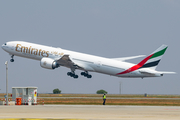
<point x="3" y="46"/>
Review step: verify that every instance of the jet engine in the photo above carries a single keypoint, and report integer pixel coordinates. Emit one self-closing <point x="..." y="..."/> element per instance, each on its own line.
<point x="48" y="63"/>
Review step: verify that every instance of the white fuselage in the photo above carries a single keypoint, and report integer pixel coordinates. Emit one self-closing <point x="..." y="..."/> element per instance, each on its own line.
<point x="89" y="62"/>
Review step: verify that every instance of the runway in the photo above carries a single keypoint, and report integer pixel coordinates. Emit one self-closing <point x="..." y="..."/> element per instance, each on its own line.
<point x="92" y="112"/>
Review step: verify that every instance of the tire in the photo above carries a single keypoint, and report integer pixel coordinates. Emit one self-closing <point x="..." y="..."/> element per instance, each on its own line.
<point x="12" y="60"/>
<point x="85" y="75"/>
<point x="89" y="76"/>
<point x="82" y="73"/>
<point x="72" y="75"/>
<point x="68" y="73"/>
<point x="75" y="76"/>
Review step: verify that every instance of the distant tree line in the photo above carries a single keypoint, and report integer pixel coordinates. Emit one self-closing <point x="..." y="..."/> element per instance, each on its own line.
<point x="56" y="91"/>
<point x="101" y="91"/>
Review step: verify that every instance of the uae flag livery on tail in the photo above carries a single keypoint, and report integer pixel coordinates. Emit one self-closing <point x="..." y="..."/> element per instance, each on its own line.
<point x="149" y="62"/>
<point x="155" y="58"/>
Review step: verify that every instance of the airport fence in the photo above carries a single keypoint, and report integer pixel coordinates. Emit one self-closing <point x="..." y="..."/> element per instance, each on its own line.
<point x="22" y="102"/>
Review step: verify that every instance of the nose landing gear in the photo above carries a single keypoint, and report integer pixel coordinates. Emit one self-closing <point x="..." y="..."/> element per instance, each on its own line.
<point x="12" y="58"/>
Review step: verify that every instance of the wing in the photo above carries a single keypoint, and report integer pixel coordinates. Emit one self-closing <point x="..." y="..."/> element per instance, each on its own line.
<point x="67" y="62"/>
<point x="73" y="64"/>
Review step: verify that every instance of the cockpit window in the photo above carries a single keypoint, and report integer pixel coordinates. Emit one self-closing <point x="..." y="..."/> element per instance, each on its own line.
<point x="4" y="43"/>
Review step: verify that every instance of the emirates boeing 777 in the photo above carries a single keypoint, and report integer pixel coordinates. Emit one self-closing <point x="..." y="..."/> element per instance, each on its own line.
<point x="51" y="58"/>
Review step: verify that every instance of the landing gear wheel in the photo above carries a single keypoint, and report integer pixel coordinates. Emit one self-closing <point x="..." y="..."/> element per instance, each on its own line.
<point x="68" y="73"/>
<point x="85" y="74"/>
<point x="82" y="73"/>
<point x="75" y="76"/>
<point x="12" y="60"/>
<point x="72" y="75"/>
<point x="89" y="76"/>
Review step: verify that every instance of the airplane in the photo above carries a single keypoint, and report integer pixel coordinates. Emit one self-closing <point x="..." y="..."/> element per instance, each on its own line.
<point x="52" y="57"/>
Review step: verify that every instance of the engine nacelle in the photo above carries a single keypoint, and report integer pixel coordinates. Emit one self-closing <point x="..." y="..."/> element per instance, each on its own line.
<point x="48" y="63"/>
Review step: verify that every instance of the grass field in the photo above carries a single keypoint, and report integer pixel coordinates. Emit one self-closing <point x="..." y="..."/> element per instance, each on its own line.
<point x="109" y="95"/>
<point x="112" y="99"/>
<point x="158" y="102"/>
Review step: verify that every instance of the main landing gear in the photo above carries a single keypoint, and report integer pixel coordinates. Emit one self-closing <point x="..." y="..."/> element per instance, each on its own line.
<point x="85" y="74"/>
<point x="72" y="74"/>
<point x="12" y="58"/>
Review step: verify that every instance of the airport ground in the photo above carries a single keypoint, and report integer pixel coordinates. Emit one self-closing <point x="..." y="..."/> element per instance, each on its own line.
<point x="91" y="112"/>
<point x="89" y="107"/>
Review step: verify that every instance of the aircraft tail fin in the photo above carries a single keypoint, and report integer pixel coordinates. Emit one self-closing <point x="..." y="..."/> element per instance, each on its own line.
<point x="154" y="58"/>
<point x="150" y="61"/>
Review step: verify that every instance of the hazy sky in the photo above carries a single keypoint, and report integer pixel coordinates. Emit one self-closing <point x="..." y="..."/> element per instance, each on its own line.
<point x="107" y="28"/>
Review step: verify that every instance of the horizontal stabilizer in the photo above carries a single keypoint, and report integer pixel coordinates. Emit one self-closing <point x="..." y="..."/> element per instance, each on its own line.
<point x="128" y="58"/>
<point x="150" y="71"/>
<point x="164" y="72"/>
<point x="147" y="71"/>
